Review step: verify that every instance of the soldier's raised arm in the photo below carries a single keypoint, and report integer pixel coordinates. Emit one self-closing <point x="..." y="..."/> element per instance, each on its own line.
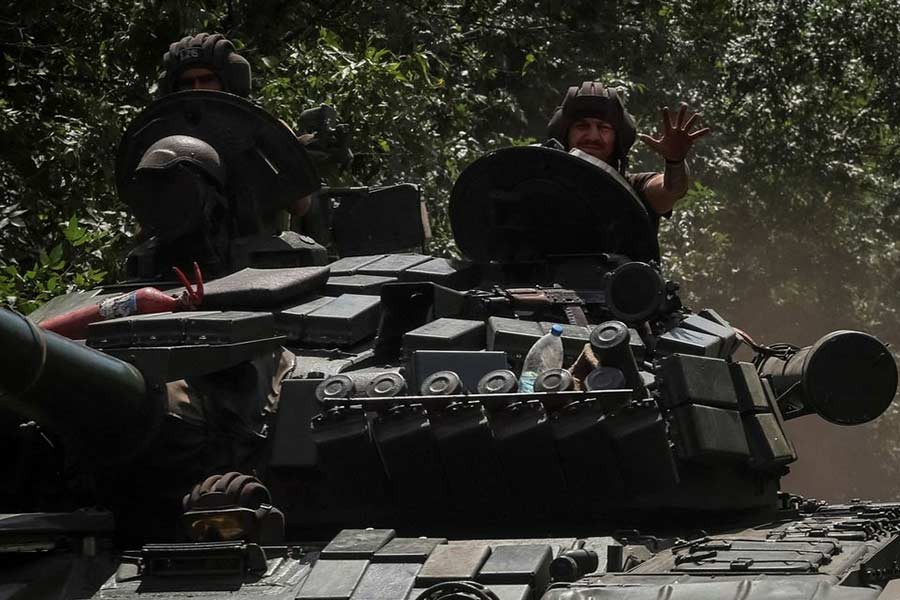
<point x="674" y="144"/>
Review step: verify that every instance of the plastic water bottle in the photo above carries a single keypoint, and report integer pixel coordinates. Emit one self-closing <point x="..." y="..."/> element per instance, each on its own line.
<point x="547" y="353"/>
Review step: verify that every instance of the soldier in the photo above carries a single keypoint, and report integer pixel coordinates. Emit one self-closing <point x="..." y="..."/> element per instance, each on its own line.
<point x="209" y="62"/>
<point x="205" y="62"/>
<point x="593" y="119"/>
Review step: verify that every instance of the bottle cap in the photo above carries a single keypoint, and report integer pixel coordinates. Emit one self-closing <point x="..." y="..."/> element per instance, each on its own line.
<point x="556" y="330"/>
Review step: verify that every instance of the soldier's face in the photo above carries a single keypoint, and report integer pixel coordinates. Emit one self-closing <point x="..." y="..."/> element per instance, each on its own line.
<point x="198" y="78"/>
<point x="594" y="136"/>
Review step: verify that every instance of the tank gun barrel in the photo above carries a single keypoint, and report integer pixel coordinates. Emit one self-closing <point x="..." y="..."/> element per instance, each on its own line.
<point x="90" y="398"/>
<point x="847" y="378"/>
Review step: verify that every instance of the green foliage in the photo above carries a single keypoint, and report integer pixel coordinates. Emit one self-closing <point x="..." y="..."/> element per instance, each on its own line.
<point x="791" y="230"/>
<point x="67" y="265"/>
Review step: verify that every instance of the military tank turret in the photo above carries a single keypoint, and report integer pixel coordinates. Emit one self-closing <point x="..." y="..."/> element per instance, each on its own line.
<point x="355" y="429"/>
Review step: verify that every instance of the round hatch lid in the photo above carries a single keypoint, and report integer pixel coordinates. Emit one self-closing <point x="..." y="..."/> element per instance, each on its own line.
<point x="267" y="166"/>
<point x="529" y="203"/>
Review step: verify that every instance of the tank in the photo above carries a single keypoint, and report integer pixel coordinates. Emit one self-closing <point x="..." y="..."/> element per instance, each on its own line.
<point x="338" y="418"/>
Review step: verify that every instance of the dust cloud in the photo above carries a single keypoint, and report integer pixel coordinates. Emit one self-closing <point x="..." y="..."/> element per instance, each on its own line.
<point x="835" y="463"/>
<point x="838" y="463"/>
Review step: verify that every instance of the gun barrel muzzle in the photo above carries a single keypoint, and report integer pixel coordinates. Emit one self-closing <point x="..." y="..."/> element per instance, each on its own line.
<point x="69" y="388"/>
<point x="847" y="378"/>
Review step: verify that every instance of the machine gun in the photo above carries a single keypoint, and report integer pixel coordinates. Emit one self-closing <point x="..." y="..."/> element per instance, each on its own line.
<point x="624" y="290"/>
<point x="536" y="300"/>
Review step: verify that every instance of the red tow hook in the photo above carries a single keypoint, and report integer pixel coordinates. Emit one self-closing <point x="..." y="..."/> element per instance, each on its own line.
<point x="191" y="297"/>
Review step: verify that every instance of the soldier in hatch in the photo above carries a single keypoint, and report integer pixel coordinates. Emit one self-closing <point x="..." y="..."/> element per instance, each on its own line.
<point x="593" y="119"/>
<point x="205" y="62"/>
<point x="209" y="62"/>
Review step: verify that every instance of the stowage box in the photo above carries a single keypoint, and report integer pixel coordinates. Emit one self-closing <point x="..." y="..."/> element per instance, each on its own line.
<point x="446" y="334"/>
<point x="342" y="321"/>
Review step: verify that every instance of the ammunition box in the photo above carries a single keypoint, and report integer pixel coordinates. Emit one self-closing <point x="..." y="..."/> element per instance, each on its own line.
<point x="349" y="265"/>
<point x="342" y="321"/>
<point x="357" y="284"/>
<point x="516" y="337"/>
<point x="469" y="365"/>
<point x="254" y="289"/>
<point x="159" y="329"/>
<point x="681" y="340"/>
<point x="391" y="265"/>
<point x="292" y="321"/>
<point x="446" y="334"/>
<point x="443" y="271"/>
<point x="512" y="336"/>
<point x="349" y="319"/>
<point x="187" y="328"/>
<point x="228" y="327"/>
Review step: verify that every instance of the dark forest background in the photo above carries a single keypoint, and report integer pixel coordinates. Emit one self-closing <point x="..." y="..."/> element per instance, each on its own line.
<point x="791" y="230"/>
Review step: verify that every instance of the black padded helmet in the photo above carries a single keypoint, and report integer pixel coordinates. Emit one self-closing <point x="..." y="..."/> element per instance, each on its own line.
<point x="183" y="149"/>
<point x="176" y="187"/>
<point x="213" y="51"/>
<point x="593" y="99"/>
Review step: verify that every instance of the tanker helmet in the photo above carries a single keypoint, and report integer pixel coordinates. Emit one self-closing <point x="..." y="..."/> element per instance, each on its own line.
<point x="593" y="99"/>
<point x="212" y="51"/>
